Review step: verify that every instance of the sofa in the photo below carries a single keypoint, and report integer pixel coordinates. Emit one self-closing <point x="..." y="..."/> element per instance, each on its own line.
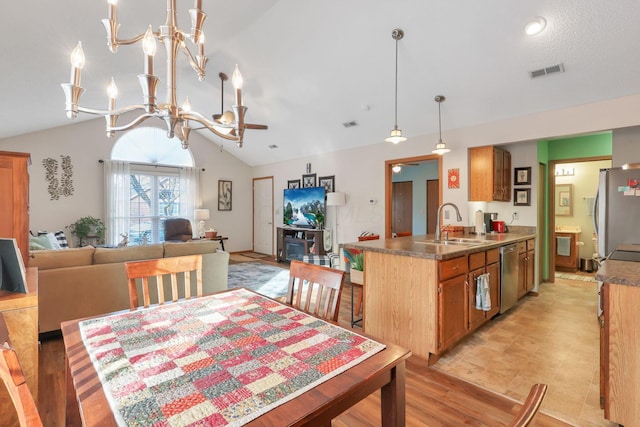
<point x="81" y="282"/>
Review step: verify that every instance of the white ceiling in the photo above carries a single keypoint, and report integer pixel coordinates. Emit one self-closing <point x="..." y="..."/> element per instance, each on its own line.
<point x="309" y="65"/>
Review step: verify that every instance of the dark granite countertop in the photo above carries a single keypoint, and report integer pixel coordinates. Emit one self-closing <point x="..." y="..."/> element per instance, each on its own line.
<point x="619" y="272"/>
<point x="418" y="246"/>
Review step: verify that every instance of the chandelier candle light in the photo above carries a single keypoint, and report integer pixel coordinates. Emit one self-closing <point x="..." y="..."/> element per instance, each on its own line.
<point x="176" y="118"/>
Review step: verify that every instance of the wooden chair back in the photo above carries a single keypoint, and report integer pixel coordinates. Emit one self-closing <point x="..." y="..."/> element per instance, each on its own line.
<point x="530" y="407"/>
<point x="158" y="268"/>
<point x="15" y="383"/>
<point x="320" y="286"/>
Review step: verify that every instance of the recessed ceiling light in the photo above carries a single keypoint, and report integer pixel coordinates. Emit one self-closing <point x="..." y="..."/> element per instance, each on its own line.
<point x="535" y="26"/>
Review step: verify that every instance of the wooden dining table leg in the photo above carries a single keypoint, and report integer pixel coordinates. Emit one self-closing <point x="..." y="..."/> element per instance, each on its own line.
<point x="393" y="404"/>
<point x="72" y="410"/>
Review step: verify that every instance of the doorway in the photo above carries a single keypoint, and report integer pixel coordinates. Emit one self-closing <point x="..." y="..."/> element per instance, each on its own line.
<point x="402" y="207"/>
<point x="263" y="215"/>
<point x="435" y="161"/>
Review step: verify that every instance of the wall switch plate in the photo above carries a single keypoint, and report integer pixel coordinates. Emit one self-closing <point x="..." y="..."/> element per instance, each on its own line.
<point x="446" y="214"/>
<point x="516" y="216"/>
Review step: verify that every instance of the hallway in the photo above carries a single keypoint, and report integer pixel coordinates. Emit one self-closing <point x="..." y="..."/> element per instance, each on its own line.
<point x="552" y="338"/>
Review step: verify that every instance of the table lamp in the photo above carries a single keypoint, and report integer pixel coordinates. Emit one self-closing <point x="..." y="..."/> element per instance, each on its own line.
<point x="201" y="215"/>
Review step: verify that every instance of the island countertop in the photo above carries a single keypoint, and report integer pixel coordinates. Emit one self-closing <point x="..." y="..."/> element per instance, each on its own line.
<point x="619" y="272"/>
<point x="419" y="245"/>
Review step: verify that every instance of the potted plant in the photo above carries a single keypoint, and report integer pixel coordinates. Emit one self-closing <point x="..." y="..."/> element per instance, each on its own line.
<point x="355" y="258"/>
<point x="87" y="228"/>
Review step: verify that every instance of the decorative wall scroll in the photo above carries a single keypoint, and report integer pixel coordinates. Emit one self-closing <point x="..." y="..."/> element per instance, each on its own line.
<point x="224" y="195"/>
<point x="63" y="186"/>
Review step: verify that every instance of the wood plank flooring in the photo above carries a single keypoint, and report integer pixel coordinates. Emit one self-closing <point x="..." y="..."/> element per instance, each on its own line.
<point x="434" y="398"/>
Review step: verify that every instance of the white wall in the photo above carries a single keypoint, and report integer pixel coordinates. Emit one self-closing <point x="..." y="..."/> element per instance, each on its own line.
<point x="86" y="143"/>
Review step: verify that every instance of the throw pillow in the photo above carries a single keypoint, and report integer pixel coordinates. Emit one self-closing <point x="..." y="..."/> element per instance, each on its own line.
<point x="62" y="239"/>
<point x="58" y="240"/>
<point x="39" y="243"/>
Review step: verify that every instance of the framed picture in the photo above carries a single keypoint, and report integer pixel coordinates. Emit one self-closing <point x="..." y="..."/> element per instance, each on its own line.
<point x="522" y="176"/>
<point x="522" y="197"/>
<point x="224" y="195"/>
<point x="328" y="182"/>
<point x="564" y="199"/>
<point x="309" y="180"/>
<point x="453" y="178"/>
<point x="293" y="183"/>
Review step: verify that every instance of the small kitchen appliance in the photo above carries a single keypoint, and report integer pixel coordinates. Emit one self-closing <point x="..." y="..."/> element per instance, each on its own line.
<point x="489" y="218"/>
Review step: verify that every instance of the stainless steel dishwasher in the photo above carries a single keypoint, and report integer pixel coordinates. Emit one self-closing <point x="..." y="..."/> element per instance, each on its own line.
<point x="508" y="276"/>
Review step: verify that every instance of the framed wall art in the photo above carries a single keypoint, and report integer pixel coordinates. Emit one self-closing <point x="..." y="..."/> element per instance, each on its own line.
<point x="224" y="195"/>
<point x="293" y="183"/>
<point x="522" y="176"/>
<point x="522" y="197"/>
<point x="564" y="199"/>
<point x="309" y="180"/>
<point x="328" y="182"/>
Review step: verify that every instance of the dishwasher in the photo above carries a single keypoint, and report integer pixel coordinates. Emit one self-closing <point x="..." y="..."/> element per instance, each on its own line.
<point x="508" y="277"/>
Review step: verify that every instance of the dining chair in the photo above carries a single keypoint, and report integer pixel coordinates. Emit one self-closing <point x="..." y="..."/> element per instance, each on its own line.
<point x="530" y="406"/>
<point x="315" y="289"/>
<point x="15" y="383"/>
<point x="158" y="268"/>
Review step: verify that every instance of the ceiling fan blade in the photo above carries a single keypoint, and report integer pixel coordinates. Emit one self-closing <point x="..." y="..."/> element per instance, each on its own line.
<point x="254" y="126"/>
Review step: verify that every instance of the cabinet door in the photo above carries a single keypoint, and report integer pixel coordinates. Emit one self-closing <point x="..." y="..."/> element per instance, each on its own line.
<point x="530" y="269"/>
<point x="498" y="171"/>
<point x="522" y="272"/>
<point x="494" y="288"/>
<point x="505" y="176"/>
<point x="476" y="317"/>
<point x="452" y="313"/>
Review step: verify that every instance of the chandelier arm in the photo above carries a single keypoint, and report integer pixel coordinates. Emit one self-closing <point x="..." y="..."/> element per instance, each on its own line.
<point x="135" y="122"/>
<point x="213" y="129"/>
<point x="110" y="112"/>
<point x="192" y="60"/>
<point x="133" y="40"/>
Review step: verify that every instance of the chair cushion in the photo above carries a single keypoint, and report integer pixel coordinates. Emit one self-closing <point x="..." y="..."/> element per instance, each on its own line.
<point x="128" y="253"/>
<point x="46" y="260"/>
<point x="317" y="259"/>
<point x="172" y="249"/>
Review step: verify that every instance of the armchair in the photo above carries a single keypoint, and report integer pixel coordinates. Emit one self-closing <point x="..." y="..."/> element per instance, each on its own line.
<point x="177" y="229"/>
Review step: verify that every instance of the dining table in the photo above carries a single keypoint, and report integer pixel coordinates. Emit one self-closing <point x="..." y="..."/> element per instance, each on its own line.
<point x="232" y="358"/>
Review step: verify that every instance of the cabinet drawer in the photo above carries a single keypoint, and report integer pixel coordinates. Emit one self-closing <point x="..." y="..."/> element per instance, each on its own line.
<point x="522" y="247"/>
<point x="452" y="267"/>
<point x="476" y="260"/>
<point x="531" y="244"/>
<point x="493" y="255"/>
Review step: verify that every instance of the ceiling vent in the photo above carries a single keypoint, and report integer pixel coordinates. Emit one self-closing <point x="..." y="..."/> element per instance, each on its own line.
<point x="273" y="146"/>
<point x="553" y="69"/>
<point x="350" y="124"/>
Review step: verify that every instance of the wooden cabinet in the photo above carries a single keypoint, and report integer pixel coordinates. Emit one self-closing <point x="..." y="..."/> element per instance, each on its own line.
<point x="566" y="258"/>
<point x="493" y="268"/>
<point x="452" y="301"/>
<point x="14" y="199"/>
<point x="481" y="263"/>
<point x="489" y="174"/>
<point x="294" y="243"/>
<point x="619" y="361"/>
<point x="526" y="267"/>
<point x="19" y="324"/>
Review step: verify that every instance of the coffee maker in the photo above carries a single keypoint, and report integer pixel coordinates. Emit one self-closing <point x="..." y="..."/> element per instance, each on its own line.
<point x="489" y="217"/>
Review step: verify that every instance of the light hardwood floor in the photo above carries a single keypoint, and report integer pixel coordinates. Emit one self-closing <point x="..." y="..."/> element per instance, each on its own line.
<point x="434" y="398"/>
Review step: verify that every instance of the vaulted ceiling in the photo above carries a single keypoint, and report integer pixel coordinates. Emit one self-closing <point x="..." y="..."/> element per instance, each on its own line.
<point x="309" y="66"/>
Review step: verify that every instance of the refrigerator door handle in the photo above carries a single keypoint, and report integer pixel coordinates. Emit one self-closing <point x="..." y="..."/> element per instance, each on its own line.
<point x="596" y="202"/>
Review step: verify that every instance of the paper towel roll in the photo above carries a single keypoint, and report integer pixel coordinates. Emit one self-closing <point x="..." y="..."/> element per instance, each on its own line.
<point x="479" y="222"/>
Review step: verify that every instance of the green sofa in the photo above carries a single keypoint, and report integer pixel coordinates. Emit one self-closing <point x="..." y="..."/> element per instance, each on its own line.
<point x="82" y="282"/>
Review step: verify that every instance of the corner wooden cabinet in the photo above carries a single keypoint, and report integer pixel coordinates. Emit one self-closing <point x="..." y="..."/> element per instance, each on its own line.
<point x="294" y="243"/>
<point x="19" y="325"/>
<point x="452" y="301"/>
<point x="489" y="174"/>
<point x="14" y="199"/>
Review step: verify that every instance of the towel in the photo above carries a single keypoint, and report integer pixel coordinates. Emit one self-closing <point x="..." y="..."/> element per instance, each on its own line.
<point x="483" y="295"/>
<point x="563" y="246"/>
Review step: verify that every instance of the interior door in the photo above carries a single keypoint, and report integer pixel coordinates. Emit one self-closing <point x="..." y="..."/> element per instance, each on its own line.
<point x="263" y="215"/>
<point x="402" y="206"/>
<point x="433" y="200"/>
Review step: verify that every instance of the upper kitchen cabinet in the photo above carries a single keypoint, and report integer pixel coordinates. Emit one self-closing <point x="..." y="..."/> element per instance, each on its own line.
<point x="489" y="174"/>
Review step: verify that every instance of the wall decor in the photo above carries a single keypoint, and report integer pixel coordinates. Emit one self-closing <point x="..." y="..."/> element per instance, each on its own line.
<point x="453" y="178"/>
<point x="58" y="187"/>
<point x="522" y="176"/>
<point x="328" y="182"/>
<point x="308" y="167"/>
<point x="224" y="195"/>
<point x="522" y="197"/>
<point x="564" y="199"/>
<point x="309" y="180"/>
<point x="293" y="183"/>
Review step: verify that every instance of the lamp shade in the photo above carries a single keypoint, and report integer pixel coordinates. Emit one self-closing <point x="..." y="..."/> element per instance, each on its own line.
<point x="336" y="199"/>
<point x="201" y="214"/>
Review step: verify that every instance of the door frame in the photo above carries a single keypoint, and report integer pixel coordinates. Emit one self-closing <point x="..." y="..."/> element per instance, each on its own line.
<point x="253" y="211"/>
<point x="388" y="180"/>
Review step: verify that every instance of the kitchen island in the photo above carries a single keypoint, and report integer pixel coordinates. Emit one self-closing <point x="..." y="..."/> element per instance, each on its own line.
<point x="620" y="341"/>
<point x="420" y="293"/>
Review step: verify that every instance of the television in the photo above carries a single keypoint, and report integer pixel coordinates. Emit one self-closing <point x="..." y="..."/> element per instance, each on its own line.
<point x="304" y="207"/>
<point x="12" y="271"/>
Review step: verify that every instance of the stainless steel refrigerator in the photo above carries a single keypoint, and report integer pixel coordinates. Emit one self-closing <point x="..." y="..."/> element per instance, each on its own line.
<point x="616" y="215"/>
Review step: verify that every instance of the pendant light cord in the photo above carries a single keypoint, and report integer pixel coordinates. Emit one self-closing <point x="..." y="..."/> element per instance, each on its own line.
<point x="396" y="91"/>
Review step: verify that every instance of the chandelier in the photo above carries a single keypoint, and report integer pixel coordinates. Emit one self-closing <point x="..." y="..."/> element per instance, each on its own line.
<point x="177" y="118"/>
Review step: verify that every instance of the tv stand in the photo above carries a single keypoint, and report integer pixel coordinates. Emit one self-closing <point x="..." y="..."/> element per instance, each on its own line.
<point x="294" y="243"/>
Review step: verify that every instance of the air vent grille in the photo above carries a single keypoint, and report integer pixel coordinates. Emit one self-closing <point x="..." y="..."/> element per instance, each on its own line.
<point x="553" y="69"/>
<point x="350" y="124"/>
<point x="273" y="146"/>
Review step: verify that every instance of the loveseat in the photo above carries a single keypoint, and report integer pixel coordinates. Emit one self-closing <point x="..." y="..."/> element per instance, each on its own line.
<point x="81" y="282"/>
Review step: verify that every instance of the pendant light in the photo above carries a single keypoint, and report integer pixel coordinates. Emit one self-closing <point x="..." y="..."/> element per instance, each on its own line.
<point x="441" y="147"/>
<point x="396" y="134"/>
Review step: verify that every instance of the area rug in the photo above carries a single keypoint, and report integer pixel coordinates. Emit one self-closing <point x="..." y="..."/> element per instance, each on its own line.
<point x="265" y="279"/>
<point x="580" y="277"/>
<point x="254" y="255"/>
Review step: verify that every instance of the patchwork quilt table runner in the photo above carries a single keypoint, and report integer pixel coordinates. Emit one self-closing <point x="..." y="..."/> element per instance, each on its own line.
<point x="220" y="360"/>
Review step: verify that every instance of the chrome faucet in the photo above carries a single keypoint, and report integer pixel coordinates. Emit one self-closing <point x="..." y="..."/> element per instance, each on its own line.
<point x="458" y="217"/>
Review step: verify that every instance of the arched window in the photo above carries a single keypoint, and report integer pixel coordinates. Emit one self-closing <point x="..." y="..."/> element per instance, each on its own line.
<point x="148" y="179"/>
